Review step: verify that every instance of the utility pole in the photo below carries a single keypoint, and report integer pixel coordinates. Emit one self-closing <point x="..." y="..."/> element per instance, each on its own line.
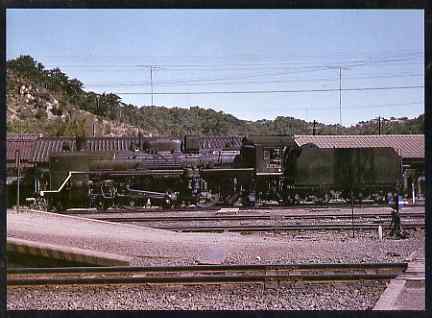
<point x="152" y="68"/>
<point x="97" y="114"/>
<point x="340" y="96"/>
<point x="379" y="125"/>
<point x="340" y="92"/>
<point x="151" y="83"/>
<point x="314" y="126"/>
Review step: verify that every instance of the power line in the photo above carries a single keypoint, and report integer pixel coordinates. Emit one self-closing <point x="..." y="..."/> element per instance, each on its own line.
<point x="326" y="108"/>
<point x="271" y="91"/>
<point x="279" y="64"/>
<point x="225" y="69"/>
<point x="334" y="107"/>
<point x="388" y="52"/>
<point x="229" y="81"/>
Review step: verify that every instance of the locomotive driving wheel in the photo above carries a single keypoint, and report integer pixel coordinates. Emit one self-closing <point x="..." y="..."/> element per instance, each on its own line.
<point x="131" y="203"/>
<point x="41" y="204"/>
<point x="99" y="204"/>
<point x="206" y="202"/>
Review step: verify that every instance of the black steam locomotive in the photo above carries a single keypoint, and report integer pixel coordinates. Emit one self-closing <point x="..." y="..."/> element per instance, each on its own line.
<point x="266" y="169"/>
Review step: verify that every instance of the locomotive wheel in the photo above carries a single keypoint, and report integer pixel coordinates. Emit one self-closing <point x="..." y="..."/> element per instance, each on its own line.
<point x="131" y="203"/>
<point x="206" y="203"/>
<point x="42" y="204"/>
<point x="167" y="203"/>
<point x="105" y="204"/>
<point x="59" y="206"/>
<point x="50" y="205"/>
<point x="99" y="205"/>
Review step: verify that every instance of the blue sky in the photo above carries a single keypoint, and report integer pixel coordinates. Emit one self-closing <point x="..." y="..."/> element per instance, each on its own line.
<point x="236" y="50"/>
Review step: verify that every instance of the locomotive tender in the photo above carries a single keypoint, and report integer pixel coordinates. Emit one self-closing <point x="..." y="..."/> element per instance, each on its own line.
<point x="266" y="169"/>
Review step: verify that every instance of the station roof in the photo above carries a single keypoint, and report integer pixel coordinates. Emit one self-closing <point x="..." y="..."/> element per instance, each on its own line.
<point x="408" y="146"/>
<point x="270" y="140"/>
<point x="45" y="145"/>
<point x="111" y="143"/>
<point x="24" y="143"/>
<point x="220" y="142"/>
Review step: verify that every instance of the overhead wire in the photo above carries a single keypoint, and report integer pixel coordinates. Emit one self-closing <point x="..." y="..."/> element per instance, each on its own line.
<point x="270" y="91"/>
<point x="230" y="81"/>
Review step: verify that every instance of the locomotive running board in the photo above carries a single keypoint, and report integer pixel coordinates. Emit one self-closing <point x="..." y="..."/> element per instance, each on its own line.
<point x="269" y="173"/>
<point x="137" y="172"/>
<point x="228" y="170"/>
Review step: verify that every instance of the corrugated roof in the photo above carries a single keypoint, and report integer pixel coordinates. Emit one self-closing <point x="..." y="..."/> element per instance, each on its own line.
<point x="22" y="142"/>
<point x="111" y="143"/>
<point x="408" y="146"/>
<point x="44" y="146"/>
<point x="220" y="142"/>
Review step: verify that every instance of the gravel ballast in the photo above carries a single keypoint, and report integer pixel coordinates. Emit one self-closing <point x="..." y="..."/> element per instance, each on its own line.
<point x="154" y="247"/>
<point x="361" y="295"/>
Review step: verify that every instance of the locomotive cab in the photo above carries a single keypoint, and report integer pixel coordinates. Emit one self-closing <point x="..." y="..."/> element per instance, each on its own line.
<point x="265" y="155"/>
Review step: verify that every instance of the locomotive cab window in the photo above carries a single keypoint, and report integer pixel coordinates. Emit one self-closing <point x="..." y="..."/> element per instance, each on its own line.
<point x="272" y="157"/>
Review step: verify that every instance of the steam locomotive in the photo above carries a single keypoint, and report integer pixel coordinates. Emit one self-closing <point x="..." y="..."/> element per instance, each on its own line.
<point x="266" y="169"/>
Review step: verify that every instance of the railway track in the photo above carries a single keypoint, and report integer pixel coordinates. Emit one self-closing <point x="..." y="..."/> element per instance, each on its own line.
<point x="216" y="208"/>
<point x="204" y="274"/>
<point x="145" y="219"/>
<point x="287" y="228"/>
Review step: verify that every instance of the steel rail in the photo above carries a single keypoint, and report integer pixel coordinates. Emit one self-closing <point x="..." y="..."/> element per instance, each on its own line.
<point x="311" y="208"/>
<point x="285" y="228"/>
<point x="143" y="219"/>
<point x="204" y="274"/>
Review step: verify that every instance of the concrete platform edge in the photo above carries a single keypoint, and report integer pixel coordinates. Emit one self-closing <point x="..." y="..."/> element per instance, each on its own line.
<point x="65" y="253"/>
<point x="388" y="299"/>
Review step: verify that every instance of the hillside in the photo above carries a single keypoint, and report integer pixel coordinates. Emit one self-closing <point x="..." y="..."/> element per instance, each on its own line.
<point x="49" y="102"/>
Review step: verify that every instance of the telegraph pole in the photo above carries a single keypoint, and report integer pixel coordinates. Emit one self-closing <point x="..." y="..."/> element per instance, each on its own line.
<point x="340" y="92"/>
<point x="340" y="96"/>
<point x="151" y="83"/>
<point x="152" y="68"/>
<point x="97" y="118"/>
<point x="379" y="125"/>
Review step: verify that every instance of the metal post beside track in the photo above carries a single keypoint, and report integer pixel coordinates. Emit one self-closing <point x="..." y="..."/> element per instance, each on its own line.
<point x="17" y="158"/>
<point x="352" y="213"/>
